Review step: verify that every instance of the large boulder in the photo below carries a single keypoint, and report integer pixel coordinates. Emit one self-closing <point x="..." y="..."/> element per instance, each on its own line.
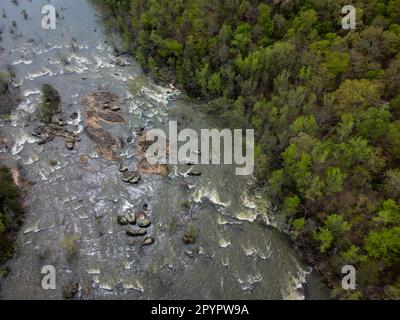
<point x="136" y="232"/>
<point x="131" y="218"/>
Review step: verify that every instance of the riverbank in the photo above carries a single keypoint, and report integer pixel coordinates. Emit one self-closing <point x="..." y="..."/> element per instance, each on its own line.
<point x="11" y="215"/>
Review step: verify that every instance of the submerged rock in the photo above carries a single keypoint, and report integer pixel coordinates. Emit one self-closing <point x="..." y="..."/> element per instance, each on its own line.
<point x="187" y="239"/>
<point x="131" y="218"/>
<point x="194" y="174"/>
<point x="123" y="169"/>
<point x="70" y="290"/>
<point x="135" y="179"/>
<point x="136" y="232"/>
<point x="189" y="253"/>
<point x="70" y="145"/>
<point x="140" y="216"/>
<point x="122" y="221"/>
<point x="143" y="223"/>
<point x="148" y="241"/>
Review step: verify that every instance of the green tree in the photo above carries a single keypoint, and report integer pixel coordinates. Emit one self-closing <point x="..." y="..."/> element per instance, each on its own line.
<point x="291" y="206"/>
<point x="384" y="244"/>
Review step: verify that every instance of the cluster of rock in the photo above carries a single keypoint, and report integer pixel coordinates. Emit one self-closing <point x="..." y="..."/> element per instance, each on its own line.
<point x="138" y="224"/>
<point x="128" y="176"/>
<point x="70" y="290"/>
<point x="47" y="132"/>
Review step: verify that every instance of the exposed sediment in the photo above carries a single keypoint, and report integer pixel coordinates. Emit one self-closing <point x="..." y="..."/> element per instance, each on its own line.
<point x="144" y="166"/>
<point x="102" y="106"/>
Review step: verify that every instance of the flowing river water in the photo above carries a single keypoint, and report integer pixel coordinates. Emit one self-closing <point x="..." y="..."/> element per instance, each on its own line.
<point x="238" y="254"/>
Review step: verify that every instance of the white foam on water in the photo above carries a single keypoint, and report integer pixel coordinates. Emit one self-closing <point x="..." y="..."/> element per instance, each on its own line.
<point x="54" y="61"/>
<point x="121" y="77"/>
<point x="43" y="72"/>
<point x="128" y="265"/>
<point x="27" y="106"/>
<point x="31" y="160"/>
<point x="295" y="283"/>
<point x="26" y="62"/>
<point x="43" y="176"/>
<point x="102" y="63"/>
<point x="248" y="203"/>
<point x="225" y="261"/>
<point x="32" y="228"/>
<point x="77" y="121"/>
<point x="257" y="252"/>
<point x="20" y="138"/>
<point x="21" y="50"/>
<point x="247" y="215"/>
<point x="159" y="94"/>
<point x="17" y="84"/>
<point x="31" y="92"/>
<point x="223" y="243"/>
<point x="248" y="282"/>
<point x="127" y="206"/>
<point x="106" y="286"/>
<point x="133" y="285"/>
<point x="51" y="48"/>
<point x="222" y="221"/>
<point x="211" y="194"/>
<point x="80" y="60"/>
<point x="93" y="271"/>
<point x="76" y="69"/>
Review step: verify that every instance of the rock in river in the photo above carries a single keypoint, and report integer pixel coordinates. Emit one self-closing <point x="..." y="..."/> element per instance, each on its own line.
<point x="131" y="177"/>
<point x="122" y="221"/>
<point x="70" y="290"/>
<point x="135" y="232"/>
<point x="148" y="241"/>
<point x="131" y="218"/>
<point x="123" y="169"/>
<point x="142" y="220"/>
<point x="143" y="223"/>
<point x="194" y="174"/>
<point x="135" y="179"/>
<point x="69" y="145"/>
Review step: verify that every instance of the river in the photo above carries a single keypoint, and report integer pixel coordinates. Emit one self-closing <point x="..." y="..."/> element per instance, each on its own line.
<point x="238" y="253"/>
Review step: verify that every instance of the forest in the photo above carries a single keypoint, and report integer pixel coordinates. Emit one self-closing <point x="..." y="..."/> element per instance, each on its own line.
<point x="324" y="103"/>
<point x="11" y="216"/>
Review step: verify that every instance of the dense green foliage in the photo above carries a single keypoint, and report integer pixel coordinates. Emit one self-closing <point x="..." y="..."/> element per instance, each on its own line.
<point x="7" y="97"/>
<point x="325" y="104"/>
<point x="50" y="104"/>
<point x="11" y="213"/>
